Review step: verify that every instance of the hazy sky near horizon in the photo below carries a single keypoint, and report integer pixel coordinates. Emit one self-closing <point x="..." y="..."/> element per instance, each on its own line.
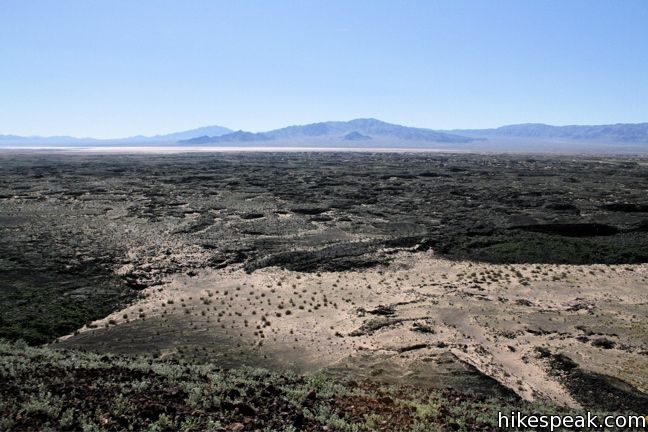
<point x="120" y="68"/>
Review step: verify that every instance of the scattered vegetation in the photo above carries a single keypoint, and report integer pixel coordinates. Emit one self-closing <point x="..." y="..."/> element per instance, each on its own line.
<point x="42" y="388"/>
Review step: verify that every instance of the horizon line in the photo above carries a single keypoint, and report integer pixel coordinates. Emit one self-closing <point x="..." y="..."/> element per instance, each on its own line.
<point x="142" y="136"/>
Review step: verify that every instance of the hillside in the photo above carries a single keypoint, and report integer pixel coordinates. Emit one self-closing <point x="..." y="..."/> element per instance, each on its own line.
<point x="355" y="136"/>
<point x="50" y="389"/>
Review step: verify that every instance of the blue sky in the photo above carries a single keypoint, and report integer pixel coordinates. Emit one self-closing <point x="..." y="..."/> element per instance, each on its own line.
<point x="118" y="68"/>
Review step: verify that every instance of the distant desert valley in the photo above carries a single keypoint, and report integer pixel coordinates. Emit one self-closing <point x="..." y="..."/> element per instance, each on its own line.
<point x="486" y="280"/>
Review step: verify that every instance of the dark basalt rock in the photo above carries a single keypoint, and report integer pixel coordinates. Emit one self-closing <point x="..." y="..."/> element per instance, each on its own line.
<point x="572" y="230"/>
<point x="246" y="410"/>
<point x="383" y="310"/>
<point x="641" y="226"/>
<point x="412" y="347"/>
<point x="432" y="174"/>
<point x="627" y="207"/>
<point x="563" y="207"/>
<point x="563" y="363"/>
<point x="375" y="324"/>
<point x="309" y="210"/>
<point x="597" y="391"/>
<point x="603" y="343"/>
<point x="249" y="216"/>
<point x="423" y="328"/>
<point x="605" y="392"/>
<point x="338" y="257"/>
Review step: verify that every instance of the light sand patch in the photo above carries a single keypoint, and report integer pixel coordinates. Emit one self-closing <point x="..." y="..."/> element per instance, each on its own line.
<point x="408" y="314"/>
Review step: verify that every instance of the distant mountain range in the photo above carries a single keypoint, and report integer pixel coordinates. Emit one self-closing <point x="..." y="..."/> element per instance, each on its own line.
<point x="192" y="133"/>
<point x="335" y="131"/>
<point x="238" y="136"/>
<point x="139" y="139"/>
<point x="621" y="132"/>
<point x="375" y="133"/>
<point x="370" y="128"/>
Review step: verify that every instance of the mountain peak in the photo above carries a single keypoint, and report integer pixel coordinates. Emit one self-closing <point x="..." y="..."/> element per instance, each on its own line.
<point x="366" y="126"/>
<point x="367" y="122"/>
